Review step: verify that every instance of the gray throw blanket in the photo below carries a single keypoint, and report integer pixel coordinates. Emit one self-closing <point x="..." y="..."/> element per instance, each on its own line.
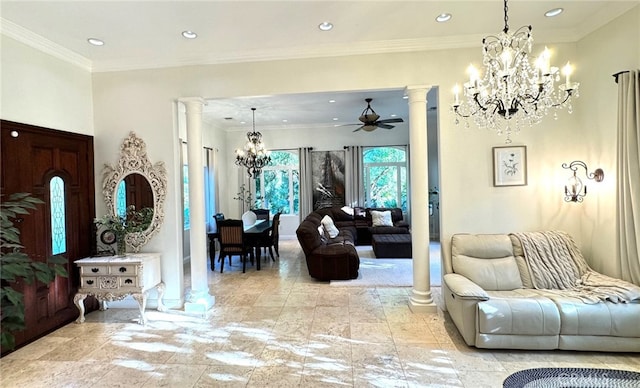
<point x="556" y="263"/>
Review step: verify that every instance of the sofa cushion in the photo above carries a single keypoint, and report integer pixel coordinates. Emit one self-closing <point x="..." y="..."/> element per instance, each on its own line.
<point x="329" y="226"/>
<point x="491" y="274"/>
<point x="487" y="260"/>
<point x="602" y="319"/>
<point x="534" y="316"/>
<point x="379" y="218"/>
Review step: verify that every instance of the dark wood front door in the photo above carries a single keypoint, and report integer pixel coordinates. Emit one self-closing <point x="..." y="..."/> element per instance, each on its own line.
<point x="31" y="158"/>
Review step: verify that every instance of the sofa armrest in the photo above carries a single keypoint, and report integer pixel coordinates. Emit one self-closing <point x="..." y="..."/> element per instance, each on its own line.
<point x="464" y="288"/>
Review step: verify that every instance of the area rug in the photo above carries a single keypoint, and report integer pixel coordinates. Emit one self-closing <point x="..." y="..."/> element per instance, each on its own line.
<point x="388" y="272"/>
<point x="381" y="273"/>
<point x="572" y="377"/>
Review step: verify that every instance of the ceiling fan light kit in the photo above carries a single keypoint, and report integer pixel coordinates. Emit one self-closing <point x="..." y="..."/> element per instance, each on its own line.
<point x="370" y="119"/>
<point x="512" y="92"/>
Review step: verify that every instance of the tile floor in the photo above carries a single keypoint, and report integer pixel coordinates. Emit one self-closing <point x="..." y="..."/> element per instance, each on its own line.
<point x="278" y="328"/>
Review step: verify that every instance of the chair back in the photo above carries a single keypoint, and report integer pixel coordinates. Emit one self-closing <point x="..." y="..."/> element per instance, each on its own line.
<point x="218" y="217"/>
<point x="275" y="227"/>
<point x="230" y="232"/>
<point x="262" y="214"/>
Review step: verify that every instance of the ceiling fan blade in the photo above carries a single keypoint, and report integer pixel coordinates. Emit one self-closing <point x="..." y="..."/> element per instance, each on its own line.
<point x="348" y="125"/>
<point x="385" y="126"/>
<point x="357" y="129"/>
<point x="396" y="120"/>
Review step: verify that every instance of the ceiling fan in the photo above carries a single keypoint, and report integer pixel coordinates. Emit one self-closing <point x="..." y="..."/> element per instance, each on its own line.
<point x="369" y="119"/>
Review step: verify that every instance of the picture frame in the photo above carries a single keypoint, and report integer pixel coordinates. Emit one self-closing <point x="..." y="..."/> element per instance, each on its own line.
<point x="509" y="166"/>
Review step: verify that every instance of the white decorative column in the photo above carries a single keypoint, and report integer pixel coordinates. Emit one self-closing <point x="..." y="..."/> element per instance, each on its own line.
<point x="198" y="299"/>
<point x="421" y="299"/>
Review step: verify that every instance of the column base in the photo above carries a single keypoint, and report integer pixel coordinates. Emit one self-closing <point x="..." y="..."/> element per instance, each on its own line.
<point x="198" y="302"/>
<point x="422" y="302"/>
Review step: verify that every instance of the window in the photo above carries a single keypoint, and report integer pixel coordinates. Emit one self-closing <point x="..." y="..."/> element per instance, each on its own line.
<point x="278" y="186"/>
<point x="385" y="176"/>
<point x="58" y="216"/>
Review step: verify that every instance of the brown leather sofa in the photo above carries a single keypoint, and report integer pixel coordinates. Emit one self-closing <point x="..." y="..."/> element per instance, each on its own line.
<point x="329" y="259"/>
<point x="337" y="258"/>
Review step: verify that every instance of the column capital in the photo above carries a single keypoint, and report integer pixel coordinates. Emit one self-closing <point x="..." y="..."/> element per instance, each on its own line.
<point x="193" y="102"/>
<point x="417" y="92"/>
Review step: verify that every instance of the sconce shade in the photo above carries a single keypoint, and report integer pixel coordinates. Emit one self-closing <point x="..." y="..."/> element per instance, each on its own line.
<point x="575" y="190"/>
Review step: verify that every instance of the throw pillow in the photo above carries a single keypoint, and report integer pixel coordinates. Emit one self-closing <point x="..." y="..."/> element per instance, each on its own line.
<point x="348" y="210"/>
<point x="379" y="218"/>
<point x="329" y="226"/>
<point x="323" y="234"/>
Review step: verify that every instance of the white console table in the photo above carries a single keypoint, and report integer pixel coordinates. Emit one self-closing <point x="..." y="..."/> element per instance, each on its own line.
<point x="116" y="277"/>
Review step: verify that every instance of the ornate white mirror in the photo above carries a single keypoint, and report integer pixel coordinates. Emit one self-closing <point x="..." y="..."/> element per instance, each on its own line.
<point x="134" y="181"/>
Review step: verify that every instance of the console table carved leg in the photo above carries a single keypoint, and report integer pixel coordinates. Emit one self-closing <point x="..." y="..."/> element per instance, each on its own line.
<point x="78" y="300"/>
<point x="141" y="298"/>
<point x="161" y="288"/>
<point x="103" y="305"/>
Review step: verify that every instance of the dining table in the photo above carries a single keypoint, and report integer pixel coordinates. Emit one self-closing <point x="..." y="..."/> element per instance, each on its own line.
<point x="252" y="235"/>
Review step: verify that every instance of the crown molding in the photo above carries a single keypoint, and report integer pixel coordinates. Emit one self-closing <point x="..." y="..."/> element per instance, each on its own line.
<point x="606" y="15"/>
<point x="38" y="42"/>
<point x="318" y="51"/>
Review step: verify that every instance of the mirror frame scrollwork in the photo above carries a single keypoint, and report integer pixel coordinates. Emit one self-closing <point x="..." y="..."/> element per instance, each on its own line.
<point x="133" y="159"/>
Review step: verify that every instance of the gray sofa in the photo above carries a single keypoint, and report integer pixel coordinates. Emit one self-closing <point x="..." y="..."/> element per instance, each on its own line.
<point x="490" y="293"/>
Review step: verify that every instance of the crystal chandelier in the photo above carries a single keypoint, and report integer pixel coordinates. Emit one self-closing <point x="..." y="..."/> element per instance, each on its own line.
<point x="254" y="156"/>
<point x="512" y="93"/>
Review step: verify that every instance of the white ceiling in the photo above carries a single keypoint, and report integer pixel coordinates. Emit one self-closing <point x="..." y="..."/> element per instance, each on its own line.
<point x="147" y="34"/>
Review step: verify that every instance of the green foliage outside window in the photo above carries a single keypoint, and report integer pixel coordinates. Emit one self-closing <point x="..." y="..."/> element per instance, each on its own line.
<point x="385" y="176"/>
<point x="278" y="186"/>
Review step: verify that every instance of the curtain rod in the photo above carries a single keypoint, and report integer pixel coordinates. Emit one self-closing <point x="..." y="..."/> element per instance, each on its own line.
<point x="204" y="147"/>
<point x="377" y="146"/>
<point x="619" y="73"/>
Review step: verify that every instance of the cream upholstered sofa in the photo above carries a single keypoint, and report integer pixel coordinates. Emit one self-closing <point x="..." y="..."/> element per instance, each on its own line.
<point x="489" y="293"/>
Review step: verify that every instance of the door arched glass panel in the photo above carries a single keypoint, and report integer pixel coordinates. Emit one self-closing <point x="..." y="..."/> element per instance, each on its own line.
<point x="58" y="216"/>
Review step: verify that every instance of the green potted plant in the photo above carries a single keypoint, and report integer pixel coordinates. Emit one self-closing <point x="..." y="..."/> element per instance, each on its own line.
<point x="15" y="265"/>
<point x="120" y="225"/>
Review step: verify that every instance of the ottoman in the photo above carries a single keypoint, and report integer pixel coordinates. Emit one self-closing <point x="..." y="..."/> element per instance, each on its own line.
<point x="391" y="245"/>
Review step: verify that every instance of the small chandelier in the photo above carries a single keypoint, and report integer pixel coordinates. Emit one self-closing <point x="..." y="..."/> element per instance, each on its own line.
<point x="512" y="93"/>
<point x="254" y="156"/>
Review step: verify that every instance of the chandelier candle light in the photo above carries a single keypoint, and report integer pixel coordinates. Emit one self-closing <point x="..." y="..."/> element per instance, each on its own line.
<point x="512" y="92"/>
<point x="254" y="156"/>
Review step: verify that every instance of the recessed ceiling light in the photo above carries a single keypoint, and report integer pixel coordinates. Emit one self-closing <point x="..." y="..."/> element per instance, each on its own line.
<point x="332" y="101"/>
<point x="96" y="41"/>
<point x="553" y="12"/>
<point x="443" y="17"/>
<point x="243" y="122"/>
<point x="393" y="115"/>
<point x="189" y="34"/>
<point x="285" y="121"/>
<point x="335" y="119"/>
<point x="405" y="97"/>
<point x="325" y="26"/>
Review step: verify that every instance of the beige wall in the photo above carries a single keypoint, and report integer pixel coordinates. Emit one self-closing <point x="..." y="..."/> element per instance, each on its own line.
<point x="144" y="101"/>
<point x="613" y="48"/>
<point x="39" y="89"/>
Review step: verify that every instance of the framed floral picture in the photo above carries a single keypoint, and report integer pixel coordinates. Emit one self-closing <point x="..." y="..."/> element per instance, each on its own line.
<point x="510" y="166"/>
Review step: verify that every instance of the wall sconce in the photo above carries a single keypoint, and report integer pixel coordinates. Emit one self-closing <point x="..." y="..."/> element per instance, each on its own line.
<point x="574" y="190"/>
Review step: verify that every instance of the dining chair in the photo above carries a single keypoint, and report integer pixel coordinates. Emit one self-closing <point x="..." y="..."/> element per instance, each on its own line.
<point x="213" y="236"/>
<point x="232" y="242"/>
<point x="262" y="214"/>
<point x="270" y="239"/>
